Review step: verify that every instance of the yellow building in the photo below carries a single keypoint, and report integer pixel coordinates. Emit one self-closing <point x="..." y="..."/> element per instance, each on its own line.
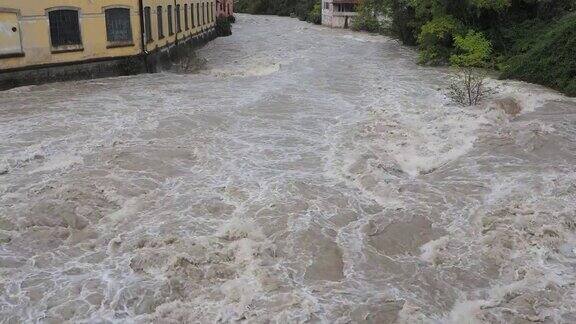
<point x="38" y="34"/>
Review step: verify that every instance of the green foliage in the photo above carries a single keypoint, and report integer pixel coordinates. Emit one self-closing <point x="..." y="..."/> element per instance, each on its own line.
<point x="315" y="15"/>
<point x="404" y="21"/>
<point x="297" y="8"/>
<point x="436" y="39"/>
<point x="504" y="29"/>
<point x="498" y="5"/>
<point x="472" y="50"/>
<point x="550" y="59"/>
<point x="367" y="19"/>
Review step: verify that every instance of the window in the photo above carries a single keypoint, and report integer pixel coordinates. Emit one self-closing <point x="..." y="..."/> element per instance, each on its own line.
<point x="118" y="27"/>
<point x="178" y="21"/>
<point x="198" y="13"/>
<point x="186" y="16"/>
<point x="148" y="25"/>
<point x="203" y="15"/>
<point x="65" y="29"/>
<point x="211" y="11"/>
<point x="170" y="23"/>
<point x="160" y="20"/>
<point x="192" y="14"/>
<point x="326" y="5"/>
<point x="345" y="7"/>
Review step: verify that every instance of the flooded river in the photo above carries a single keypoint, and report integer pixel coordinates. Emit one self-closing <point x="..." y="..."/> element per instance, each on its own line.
<point x="305" y="174"/>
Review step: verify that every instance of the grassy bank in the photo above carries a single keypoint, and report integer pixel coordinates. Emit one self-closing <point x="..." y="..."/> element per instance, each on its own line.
<point x="547" y="56"/>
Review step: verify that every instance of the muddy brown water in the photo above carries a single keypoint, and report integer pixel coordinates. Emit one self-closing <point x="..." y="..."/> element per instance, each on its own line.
<point x="306" y="174"/>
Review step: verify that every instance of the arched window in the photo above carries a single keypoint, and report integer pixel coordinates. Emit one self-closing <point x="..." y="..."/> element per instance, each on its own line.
<point x="118" y="26"/>
<point x="65" y="28"/>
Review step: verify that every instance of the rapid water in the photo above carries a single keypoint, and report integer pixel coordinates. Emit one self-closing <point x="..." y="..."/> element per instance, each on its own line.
<point x="305" y="174"/>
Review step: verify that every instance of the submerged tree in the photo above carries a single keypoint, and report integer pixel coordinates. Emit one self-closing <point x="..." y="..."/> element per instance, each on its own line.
<point x="469" y="87"/>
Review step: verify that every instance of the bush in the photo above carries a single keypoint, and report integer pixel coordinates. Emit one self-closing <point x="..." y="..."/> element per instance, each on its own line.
<point x="436" y="39"/>
<point x="315" y="15"/>
<point x="223" y="26"/>
<point x="468" y="88"/>
<point x="404" y="23"/>
<point x="472" y="50"/>
<point x="366" y="19"/>
<point x="551" y="58"/>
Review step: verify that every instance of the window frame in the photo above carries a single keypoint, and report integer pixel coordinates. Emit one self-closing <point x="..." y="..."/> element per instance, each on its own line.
<point x="170" y="20"/>
<point x="203" y="14"/>
<point x="148" y="24"/>
<point x="65" y="48"/>
<point x="192" y="14"/>
<point x="178" y="18"/>
<point x="114" y="44"/>
<point x="198" y="13"/>
<point x="186" y="24"/>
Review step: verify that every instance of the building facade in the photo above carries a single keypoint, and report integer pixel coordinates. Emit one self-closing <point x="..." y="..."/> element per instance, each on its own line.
<point x="47" y="39"/>
<point x="338" y="13"/>
<point x="224" y="8"/>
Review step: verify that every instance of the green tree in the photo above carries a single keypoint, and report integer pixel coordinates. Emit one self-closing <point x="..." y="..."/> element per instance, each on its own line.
<point x="471" y="50"/>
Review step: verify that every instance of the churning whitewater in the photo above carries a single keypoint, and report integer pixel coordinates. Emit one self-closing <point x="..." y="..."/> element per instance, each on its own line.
<point x="304" y="174"/>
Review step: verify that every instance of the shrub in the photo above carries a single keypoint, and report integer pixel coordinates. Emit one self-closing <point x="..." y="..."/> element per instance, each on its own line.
<point x="404" y="22"/>
<point x="223" y="26"/>
<point x="436" y="39"/>
<point x="315" y="15"/>
<point x="366" y="18"/>
<point x="468" y="88"/>
<point x="472" y="50"/>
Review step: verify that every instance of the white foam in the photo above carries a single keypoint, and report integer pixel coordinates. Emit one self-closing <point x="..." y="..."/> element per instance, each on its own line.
<point x="255" y="70"/>
<point x="58" y="162"/>
<point x="431" y="250"/>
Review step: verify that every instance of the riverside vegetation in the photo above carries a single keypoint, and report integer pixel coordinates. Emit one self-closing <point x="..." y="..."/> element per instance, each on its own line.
<point x="529" y="40"/>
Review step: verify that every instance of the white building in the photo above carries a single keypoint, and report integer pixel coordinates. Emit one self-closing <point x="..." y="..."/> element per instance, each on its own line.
<point x="338" y="13"/>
